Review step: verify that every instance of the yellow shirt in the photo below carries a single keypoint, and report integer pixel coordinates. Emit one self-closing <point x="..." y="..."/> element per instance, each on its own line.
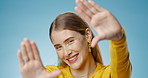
<point x="120" y="66"/>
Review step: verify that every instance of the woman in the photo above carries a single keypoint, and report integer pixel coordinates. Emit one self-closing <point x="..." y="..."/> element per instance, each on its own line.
<point x="77" y="47"/>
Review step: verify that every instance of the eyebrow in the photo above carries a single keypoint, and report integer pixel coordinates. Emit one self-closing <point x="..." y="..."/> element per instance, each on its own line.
<point x="64" y="41"/>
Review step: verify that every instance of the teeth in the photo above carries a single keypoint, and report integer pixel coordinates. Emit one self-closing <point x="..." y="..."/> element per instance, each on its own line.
<point x="73" y="58"/>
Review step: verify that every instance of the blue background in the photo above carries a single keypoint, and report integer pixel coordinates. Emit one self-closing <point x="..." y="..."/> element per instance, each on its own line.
<point x="31" y="18"/>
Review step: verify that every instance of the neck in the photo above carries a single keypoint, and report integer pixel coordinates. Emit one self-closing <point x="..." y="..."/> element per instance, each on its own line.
<point x="86" y="70"/>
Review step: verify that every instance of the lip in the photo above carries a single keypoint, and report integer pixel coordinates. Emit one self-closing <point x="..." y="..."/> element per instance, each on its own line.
<point x="73" y="60"/>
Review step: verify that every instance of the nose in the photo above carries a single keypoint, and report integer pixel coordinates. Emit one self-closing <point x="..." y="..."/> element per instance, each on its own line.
<point x="67" y="52"/>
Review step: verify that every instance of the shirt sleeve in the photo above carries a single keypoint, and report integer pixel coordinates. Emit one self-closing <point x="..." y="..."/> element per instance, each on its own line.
<point x="120" y="65"/>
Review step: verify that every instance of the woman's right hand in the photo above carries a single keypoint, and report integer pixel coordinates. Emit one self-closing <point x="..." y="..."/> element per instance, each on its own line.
<point x="30" y="62"/>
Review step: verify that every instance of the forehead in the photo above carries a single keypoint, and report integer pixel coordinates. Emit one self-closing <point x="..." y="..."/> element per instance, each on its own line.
<point x="60" y="36"/>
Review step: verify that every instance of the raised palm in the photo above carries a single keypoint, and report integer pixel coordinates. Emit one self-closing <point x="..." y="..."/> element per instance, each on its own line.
<point x="100" y="19"/>
<point x="30" y="62"/>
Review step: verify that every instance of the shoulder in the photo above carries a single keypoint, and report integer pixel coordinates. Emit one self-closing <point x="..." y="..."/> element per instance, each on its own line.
<point x="102" y="71"/>
<point x="101" y="67"/>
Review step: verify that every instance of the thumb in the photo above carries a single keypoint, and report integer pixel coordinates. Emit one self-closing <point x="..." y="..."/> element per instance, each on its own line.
<point x="95" y="40"/>
<point x="54" y="73"/>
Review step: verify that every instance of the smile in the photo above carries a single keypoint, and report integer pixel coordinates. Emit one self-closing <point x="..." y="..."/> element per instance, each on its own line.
<point x="73" y="58"/>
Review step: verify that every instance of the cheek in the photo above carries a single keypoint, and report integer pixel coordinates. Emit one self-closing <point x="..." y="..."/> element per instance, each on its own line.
<point x="60" y="54"/>
<point x="80" y="45"/>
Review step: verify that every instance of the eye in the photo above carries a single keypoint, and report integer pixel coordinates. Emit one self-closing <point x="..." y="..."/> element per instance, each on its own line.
<point x="58" y="47"/>
<point x="70" y="41"/>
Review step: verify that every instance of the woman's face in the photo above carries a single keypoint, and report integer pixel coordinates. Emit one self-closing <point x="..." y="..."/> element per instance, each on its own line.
<point x="71" y="47"/>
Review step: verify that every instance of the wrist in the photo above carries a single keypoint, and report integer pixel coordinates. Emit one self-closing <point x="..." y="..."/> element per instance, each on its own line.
<point x="118" y="36"/>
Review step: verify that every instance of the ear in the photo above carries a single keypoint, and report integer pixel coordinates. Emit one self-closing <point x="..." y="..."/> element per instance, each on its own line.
<point x="88" y="34"/>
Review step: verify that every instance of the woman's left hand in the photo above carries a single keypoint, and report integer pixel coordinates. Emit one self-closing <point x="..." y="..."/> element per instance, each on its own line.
<point x="101" y="20"/>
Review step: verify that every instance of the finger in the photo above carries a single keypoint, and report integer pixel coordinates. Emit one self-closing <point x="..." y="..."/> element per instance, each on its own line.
<point x="54" y="74"/>
<point x="96" y="39"/>
<point x="20" y="58"/>
<point x="24" y="52"/>
<point x="84" y="9"/>
<point x="90" y="7"/>
<point x="29" y="49"/>
<point x="82" y="14"/>
<point x="96" y="6"/>
<point x="35" y="51"/>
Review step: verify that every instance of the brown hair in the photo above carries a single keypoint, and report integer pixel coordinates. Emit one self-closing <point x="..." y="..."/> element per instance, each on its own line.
<point x="73" y="22"/>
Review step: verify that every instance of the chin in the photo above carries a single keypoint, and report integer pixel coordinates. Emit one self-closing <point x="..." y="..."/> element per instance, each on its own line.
<point x="77" y="65"/>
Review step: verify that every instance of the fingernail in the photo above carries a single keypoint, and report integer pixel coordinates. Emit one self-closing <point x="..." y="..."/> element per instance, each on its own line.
<point x="25" y="39"/>
<point x="32" y="42"/>
<point x="89" y="0"/>
<point x="75" y="7"/>
<point x="18" y="50"/>
<point x="81" y="0"/>
<point x="22" y="43"/>
<point x="76" y="1"/>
